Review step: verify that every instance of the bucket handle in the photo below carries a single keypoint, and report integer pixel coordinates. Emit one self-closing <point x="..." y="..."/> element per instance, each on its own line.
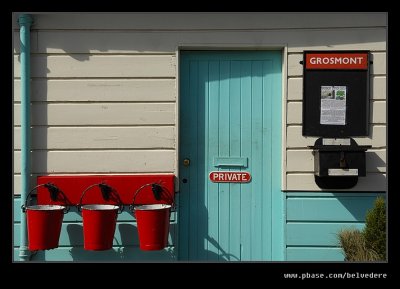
<point x="156" y="190"/>
<point x="105" y="190"/>
<point x="53" y="190"/>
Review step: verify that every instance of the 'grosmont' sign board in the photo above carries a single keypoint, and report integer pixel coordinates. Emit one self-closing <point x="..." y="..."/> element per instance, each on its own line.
<point x="337" y="61"/>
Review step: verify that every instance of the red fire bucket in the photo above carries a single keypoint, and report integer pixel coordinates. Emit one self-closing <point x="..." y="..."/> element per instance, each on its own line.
<point x="153" y="226"/>
<point x="44" y="221"/>
<point x="99" y="221"/>
<point x="152" y="220"/>
<point x="44" y="226"/>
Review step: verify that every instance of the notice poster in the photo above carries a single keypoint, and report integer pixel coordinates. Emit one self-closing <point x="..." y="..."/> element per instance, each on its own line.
<point x="333" y="105"/>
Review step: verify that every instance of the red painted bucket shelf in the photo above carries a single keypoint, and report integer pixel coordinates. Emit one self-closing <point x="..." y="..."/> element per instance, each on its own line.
<point x="125" y="186"/>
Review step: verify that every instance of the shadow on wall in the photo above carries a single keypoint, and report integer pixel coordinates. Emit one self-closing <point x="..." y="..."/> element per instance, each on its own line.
<point x="207" y="248"/>
<point x="126" y="246"/>
<point x="126" y="249"/>
<point x="356" y="207"/>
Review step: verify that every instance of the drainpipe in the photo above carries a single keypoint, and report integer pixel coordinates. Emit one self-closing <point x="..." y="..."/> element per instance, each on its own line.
<point x="25" y="21"/>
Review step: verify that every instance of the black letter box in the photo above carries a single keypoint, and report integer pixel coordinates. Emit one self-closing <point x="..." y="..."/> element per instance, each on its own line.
<point x="338" y="162"/>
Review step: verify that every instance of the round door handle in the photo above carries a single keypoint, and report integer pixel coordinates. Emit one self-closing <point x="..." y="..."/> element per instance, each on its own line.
<point x="184" y="181"/>
<point x="186" y="162"/>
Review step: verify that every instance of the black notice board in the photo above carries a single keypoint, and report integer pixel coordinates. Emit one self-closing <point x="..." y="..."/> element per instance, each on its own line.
<point x="332" y="77"/>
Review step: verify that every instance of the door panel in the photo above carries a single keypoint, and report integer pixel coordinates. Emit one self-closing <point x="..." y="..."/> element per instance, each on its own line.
<point x="227" y="111"/>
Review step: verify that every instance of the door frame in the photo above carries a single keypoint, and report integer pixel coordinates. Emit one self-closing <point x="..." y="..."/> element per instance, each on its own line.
<point x="278" y="203"/>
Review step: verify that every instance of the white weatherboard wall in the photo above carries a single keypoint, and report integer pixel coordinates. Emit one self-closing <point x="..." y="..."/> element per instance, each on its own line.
<point x="104" y="86"/>
<point x="104" y="101"/>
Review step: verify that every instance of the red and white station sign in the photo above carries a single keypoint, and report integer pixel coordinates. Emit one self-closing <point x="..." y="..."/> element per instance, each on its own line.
<point x="230" y="177"/>
<point x="337" y="60"/>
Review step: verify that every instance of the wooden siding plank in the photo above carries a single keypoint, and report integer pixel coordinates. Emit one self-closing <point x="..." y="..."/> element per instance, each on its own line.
<point x="206" y="20"/>
<point x="17" y="210"/>
<point x="86" y="65"/>
<point x="301" y="182"/>
<point x="295" y="138"/>
<point x="295" y="88"/>
<point x="256" y="116"/>
<point x="294" y="113"/>
<point x="17" y="181"/>
<point x="126" y="234"/>
<point x="16" y="254"/>
<point x="378" y="88"/>
<point x="373" y="182"/>
<point x="213" y="250"/>
<point x="299" y="161"/>
<point x="314" y="254"/>
<point x="86" y="41"/>
<point x="303" y="161"/>
<point x="377" y="138"/>
<point x="51" y="138"/>
<point x="316" y="234"/>
<point x="34" y="42"/>
<point x="224" y="150"/>
<point x="377" y="68"/>
<point x="246" y="150"/>
<point x="379" y="65"/>
<point x="330" y="39"/>
<point x="277" y="167"/>
<point x="100" y="114"/>
<point x="234" y="150"/>
<point x="376" y="161"/>
<point x="340" y="209"/>
<point x="129" y="161"/>
<point x="121" y="254"/>
<point x="194" y="207"/>
<point x="202" y="154"/>
<point x="377" y="112"/>
<point x="334" y="194"/>
<point x="84" y="90"/>
<point x="294" y="66"/>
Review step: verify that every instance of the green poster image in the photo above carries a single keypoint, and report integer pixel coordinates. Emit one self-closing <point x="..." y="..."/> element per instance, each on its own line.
<point x="340" y="92"/>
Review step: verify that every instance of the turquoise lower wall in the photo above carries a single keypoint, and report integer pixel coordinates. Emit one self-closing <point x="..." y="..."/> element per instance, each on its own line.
<point x="313" y="220"/>
<point x="125" y="247"/>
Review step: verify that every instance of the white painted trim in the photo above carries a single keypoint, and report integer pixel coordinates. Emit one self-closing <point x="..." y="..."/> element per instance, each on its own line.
<point x="230" y="46"/>
<point x="177" y="115"/>
<point x="284" y="112"/>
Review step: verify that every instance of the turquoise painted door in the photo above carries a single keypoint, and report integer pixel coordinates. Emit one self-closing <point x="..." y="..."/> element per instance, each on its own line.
<point x="230" y="110"/>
